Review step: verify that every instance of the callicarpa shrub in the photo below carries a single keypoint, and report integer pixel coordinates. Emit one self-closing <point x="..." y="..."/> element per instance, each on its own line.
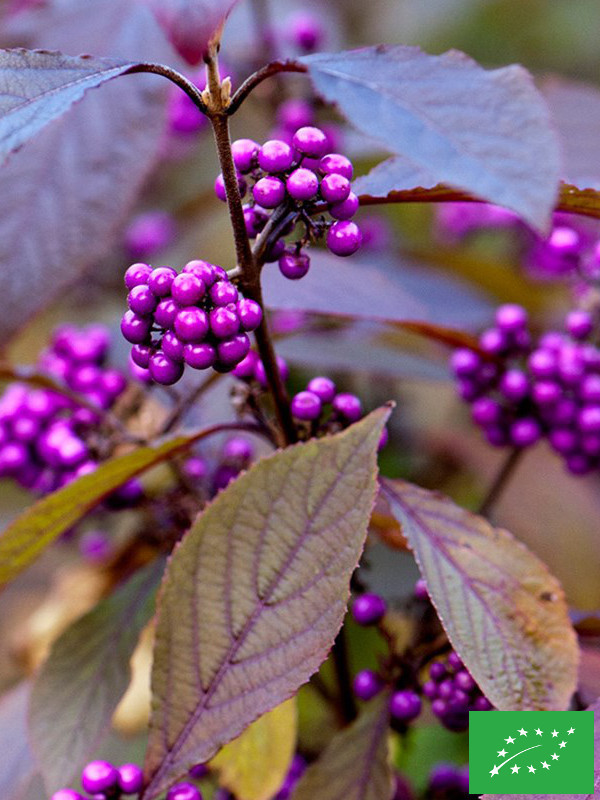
<point x="261" y="538"/>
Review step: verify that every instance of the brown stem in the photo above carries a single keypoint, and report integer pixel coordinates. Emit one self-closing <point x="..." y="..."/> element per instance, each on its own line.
<point x="500" y="481"/>
<point x="248" y="86"/>
<point x="342" y="671"/>
<point x="175" y="77"/>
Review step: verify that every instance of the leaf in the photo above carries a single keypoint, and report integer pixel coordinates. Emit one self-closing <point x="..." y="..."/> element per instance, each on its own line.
<point x="504" y="613"/>
<point x="17" y="762"/>
<point x="73" y="185"/>
<point x="190" y="24"/>
<point x="37" y="86"/>
<point x="43" y="522"/>
<point x="596" y="709"/>
<point x="85" y="676"/>
<point x="450" y="121"/>
<point x="269" y="742"/>
<point x="385" y="289"/>
<point x="255" y="593"/>
<point x="355" y="765"/>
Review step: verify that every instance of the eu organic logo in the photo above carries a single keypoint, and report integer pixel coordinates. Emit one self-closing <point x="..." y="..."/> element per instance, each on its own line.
<point x="531" y="752"/>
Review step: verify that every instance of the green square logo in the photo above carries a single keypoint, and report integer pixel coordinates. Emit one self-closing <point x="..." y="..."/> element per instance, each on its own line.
<point x="531" y="752"/>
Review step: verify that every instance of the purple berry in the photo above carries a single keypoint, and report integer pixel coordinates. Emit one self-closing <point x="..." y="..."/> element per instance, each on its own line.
<point x="269" y="192"/>
<point x="405" y="705"/>
<point x="335" y="188"/>
<point x="148" y="233"/>
<point x="275" y="251"/>
<point x="134" y="328"/>
<point x="366" y="684"/>
<point x="191" y="324"/>
<point x="261" y="376"/>
<point x="249" y="313"/>
<point x="238" y="451"/>
<point x="160" y="280"/>
<point x="348" y="406"/>
<point x="224" y="322"/>
<point x="420" y="590"/>
<point x="275" y="156"/>
<point x="465" y="362"/>
<point x="302" y="184"/>
<point x="306" y="406"/>
<point x="588" y="420"/>
<point x="99" y="776"/>
<point x="208" y="273"/>
<point x="306" y="31"/>
<point x="579" y="324"/>
<point x="323" y="387"/>
<point x="244" y="153"/>
<point x="511" y="318"/>
<point x="295" y="113"/>
<point x="171" y="346"/>
<point x="187" y="289"/>
<point x="344" y="238"/>
<point x="137" y="275"/>
<point x="199" y="356"/>
<point x="346" y="209"/>
<point x="336" y="164"/>
<point x="232" y="350"/>
<point x="66" y="794"/>
<point x="246" y="369"/>
<point x="164" y="370"/>
<point x="255" y="220"/>
<point x="141" y="300"/>
<point x="294" y="265"/>
<point x="368" y="609"/>
<point x="131" y="778"/>
<point x="223" y="292"/>
<point x="310" y="142"/>
<point x="514" y="385"/>
<point x="221" y="192"/>
<point x="184" y="791"/>
<point x="165" y="313"/>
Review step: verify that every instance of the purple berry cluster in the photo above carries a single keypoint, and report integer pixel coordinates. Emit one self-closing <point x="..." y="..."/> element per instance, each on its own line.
<point x="236" y="455"/>
<point x="549" y="388"/>
<point x="453" y="693"/>
<point x="304" y="176"/>
<point x="46" y="438"/>
<point x="195" y="317"/>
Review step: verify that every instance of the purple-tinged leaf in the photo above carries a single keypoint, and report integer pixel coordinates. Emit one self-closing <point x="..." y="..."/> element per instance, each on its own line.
<point x="73" y="185"/>
<point x="575" y="110"/>
<point x="388" y="290"/>
<point x="255" y="593"/>
<point x="503" y="611"/>
<point x="85" y="676"/>
<point x="190" y="24"/>
<point x="37" y="86"/>
<point x="450" y="121"/>
<point x="596" y="709"/>
<point x="18" y="765"/>
<point x="356" y="763"/>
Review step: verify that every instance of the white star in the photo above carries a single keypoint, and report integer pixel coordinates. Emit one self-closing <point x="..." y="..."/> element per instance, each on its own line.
<point x="515" y="768"/>
<point x="494" y="771"/>
<point x="502" y="753"/>
<point x="545" y="764"/>
<point x="531" y="768"/>
<point x="523" y="732"/>
<point x="571" y="730"/>
<point x="554" y="733"/>
<point x="538" y="732"/>
<point x="510" y="740"/>
<point x="562" y="744"/>
<point x="554" y="756"/>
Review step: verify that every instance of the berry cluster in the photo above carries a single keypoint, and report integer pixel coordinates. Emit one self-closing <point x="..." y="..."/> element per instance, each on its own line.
<point x="550" y="388"/>
<point x="195" y="317"/>
<point x="46" y="438"/>
<point x="304" y="177"/>
<point x="453" y="693"/>
<point x="236" y="455"/>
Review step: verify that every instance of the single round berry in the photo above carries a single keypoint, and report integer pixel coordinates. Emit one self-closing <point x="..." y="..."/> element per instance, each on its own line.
<point x="302" y="184"/>
<point x="579" y="324"/>
<point x="295" y="113"/>
<point x="245" y="370"/>
<point x="348" y="406"/>
<point x="164" y="370"/>
<point x="172" y="346"/>
<point x="261" y="375"/>
<point x="244" y="154"/>
<point x="165" y="313"/>
<point x="405" y="705"/>
<point x="238" y="451"/>
<point x="335" y="163"/>
<point x="208" y="273"/>
<point x="294" y="265"/>
<point x="187" y="289"/>
<point x="137" y="275"/>
<point x="511" y="318"/>
<point x="344" y="238"/>
<point x="199" y="356"/>
<point x="255" y="220"/>
<point x="148" y="233"/>
<point x="269" y="191"/>
<point x="335" y="188"/>
<point x="221" y="191"/>
<point x="464" y="362"/>
<point x="275" y="251"/>
<point x="66" y="794"/>
<point x="366" y="684"/>
<point x="99" y="776"/>
<point x="160" y="280"/>
<point x="223" y="292"/>
<point x="310" y="141"/>
<point x="184" y="791"/>
<point x="346" y="209"/>
<point x="306" y="30"/>
<point x="191" y="324"/>
<point x="323" y="387"/>
<point x="249" y="313"/>
<point x="232" y="350"/>
<point x="368" y="609"/>
<point x="134" y="328"/>
<point x="420" y="590"/>
<point x="131" y="778"/>
<point x="306" y="406"/>
<point x="275" y="156"/>
<point x="224" y="322"/>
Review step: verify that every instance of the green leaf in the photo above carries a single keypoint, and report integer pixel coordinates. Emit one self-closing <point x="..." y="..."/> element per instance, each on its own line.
<point x="356" y="764"/>
<point x="85" y="676"/>
<point x="255" y="593"/>
<point x="270" y="742"/>
<point x="503" y="611"/>
<point x="43" y="522"/>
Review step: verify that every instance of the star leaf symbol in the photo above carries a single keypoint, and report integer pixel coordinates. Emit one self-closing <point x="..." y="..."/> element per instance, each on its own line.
<point x="554" y="733"/>
<point x="554" y="756"/>
<point x="571" y="730"/>
<point x="531" y="768"/>
<point x="523" y="732"/>
<point x="494" y="771"/>
<point x="502" y="753"/>
<point x="510" y="740"/>
<point x="538" y="732"/>
<point x="562" y="744"/>
<point x="545" y="764"/>
<point x="515" y="768"/>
